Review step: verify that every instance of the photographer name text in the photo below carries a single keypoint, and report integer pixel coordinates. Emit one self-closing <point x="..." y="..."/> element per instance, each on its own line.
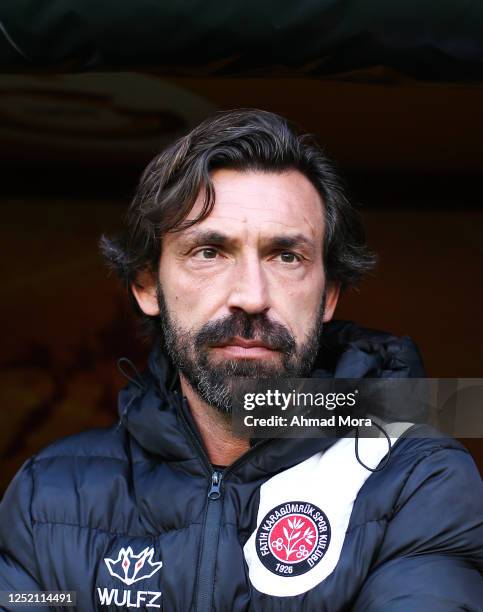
<point x="301" y="421"/>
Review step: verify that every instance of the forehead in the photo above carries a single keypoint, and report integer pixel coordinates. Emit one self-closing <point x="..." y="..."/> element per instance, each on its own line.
<point x="264" y="203"/>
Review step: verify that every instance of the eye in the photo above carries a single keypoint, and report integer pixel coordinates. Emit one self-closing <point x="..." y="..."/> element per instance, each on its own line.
<point x="288" y="257"/>
<point x="206" y="253"/>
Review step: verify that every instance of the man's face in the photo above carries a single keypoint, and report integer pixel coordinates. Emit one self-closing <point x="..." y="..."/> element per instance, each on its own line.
<point x="243" y="292"/>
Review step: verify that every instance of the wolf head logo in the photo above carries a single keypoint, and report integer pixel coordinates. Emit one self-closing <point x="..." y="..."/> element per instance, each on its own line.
<point x="130" y="568"/>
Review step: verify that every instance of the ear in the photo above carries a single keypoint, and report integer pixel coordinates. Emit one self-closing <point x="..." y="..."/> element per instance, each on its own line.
<point x="331" y="299"/>
<point x="144" y="290"/>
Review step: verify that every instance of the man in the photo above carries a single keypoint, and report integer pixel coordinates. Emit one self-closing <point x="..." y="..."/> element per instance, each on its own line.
<point x="237" y="245"/>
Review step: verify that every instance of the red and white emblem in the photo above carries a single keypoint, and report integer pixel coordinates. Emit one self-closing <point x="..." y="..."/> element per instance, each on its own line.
<point x="293" y="538"/>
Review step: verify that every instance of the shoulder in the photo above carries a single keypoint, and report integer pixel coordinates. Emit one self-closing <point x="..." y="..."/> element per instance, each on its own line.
<point x="107" y="443"/>
<point x="48" y="482"/>
<point x="430" y="552"/>
<point x="429" y="458"/>
<point x="439" y="501"/>
<point x="88" y="457"/>
<point x="424" y="439"/>
<point x="76" y="478"/>
<point x="65" y="458"/>
<point x="425" y="471"/>
<point x="442" y="468"/>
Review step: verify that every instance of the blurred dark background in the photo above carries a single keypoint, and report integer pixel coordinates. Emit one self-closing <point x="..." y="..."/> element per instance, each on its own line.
<point x="72" y="148"/>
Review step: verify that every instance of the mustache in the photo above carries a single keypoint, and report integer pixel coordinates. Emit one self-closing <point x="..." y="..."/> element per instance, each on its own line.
<point x="249" y="327"/>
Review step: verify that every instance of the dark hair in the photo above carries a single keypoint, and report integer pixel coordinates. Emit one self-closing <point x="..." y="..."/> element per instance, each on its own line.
<point x="242" y="139"/>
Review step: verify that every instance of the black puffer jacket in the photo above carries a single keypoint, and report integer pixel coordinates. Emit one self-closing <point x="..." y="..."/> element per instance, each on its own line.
<point x="136" y="517"/>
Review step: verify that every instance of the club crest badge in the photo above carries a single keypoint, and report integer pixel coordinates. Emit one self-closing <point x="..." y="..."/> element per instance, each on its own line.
<point x="293" y="538"/>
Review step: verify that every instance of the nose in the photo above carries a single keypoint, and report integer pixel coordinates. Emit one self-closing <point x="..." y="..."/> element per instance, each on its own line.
<point x="249" y="290"/>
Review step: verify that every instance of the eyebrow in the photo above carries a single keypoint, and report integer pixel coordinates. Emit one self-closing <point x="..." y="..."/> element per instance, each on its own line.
<point x="206" y="237"/>
<point x="289" y="242"/>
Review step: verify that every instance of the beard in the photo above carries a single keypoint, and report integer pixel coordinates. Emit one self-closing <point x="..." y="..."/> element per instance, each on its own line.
<point x="217" y="382"/>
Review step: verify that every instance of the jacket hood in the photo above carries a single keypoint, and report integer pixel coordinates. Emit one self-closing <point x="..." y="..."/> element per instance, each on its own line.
<point x="348" y="350"/>
<point x="152" y="409"/>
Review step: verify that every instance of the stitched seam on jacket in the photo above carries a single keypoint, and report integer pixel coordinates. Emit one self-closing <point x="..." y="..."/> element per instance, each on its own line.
<point x="116" y="533"/>
<point x="121" y="459"/>
<point x="384" y="519"/>
<point x="49" y="458"/>
<point x="31" y="511"/>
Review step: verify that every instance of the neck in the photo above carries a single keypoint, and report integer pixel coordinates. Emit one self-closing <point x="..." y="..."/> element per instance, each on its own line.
<point x="222" y="446"/>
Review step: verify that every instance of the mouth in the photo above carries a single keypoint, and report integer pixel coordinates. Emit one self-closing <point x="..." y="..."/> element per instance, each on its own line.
<point x="239" y="348"/>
